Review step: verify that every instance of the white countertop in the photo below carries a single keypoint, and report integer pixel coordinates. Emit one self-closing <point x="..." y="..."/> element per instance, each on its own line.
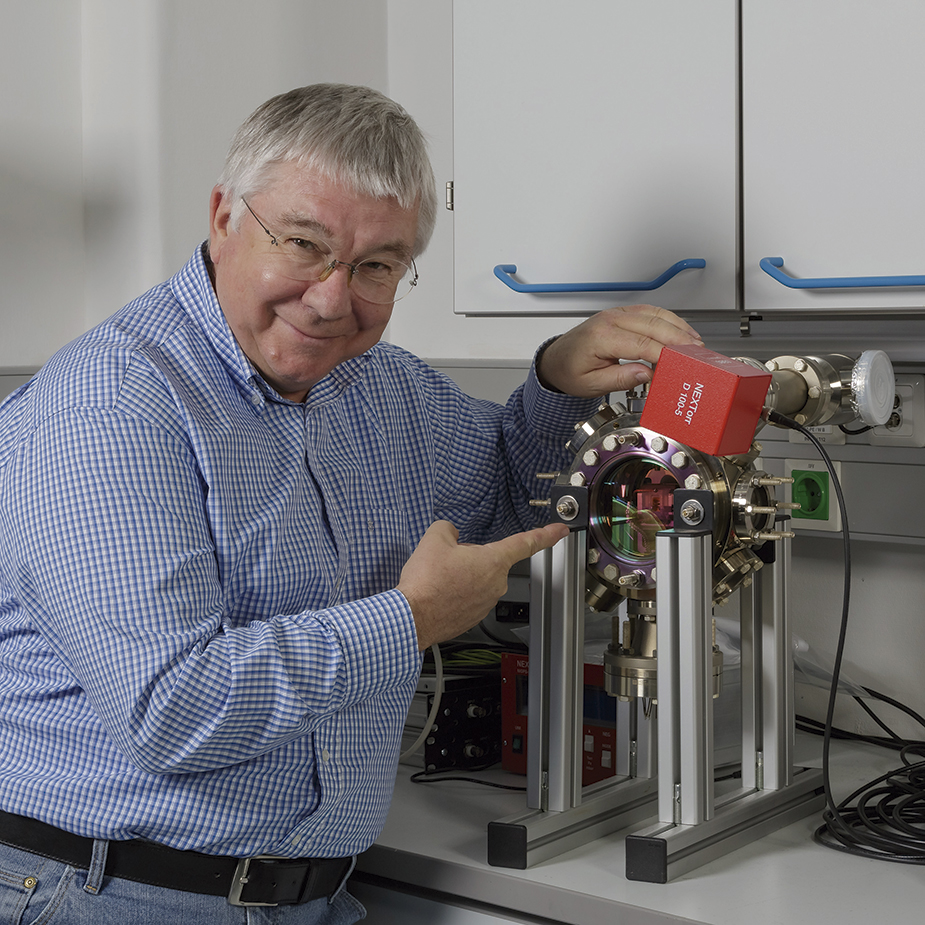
<point x="435" y="840"/>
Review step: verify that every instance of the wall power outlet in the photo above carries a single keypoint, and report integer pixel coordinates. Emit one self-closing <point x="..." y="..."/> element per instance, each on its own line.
<point x="812" y="489"/>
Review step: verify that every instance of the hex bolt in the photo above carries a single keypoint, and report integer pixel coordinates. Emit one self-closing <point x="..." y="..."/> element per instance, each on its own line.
<point x="591" y="458"/>
<point x="679" y="460"/>
<point x="772" y="366"/>
<point x="814" y="391"/>
<point x="611" y="573"/>
<point x="609" y="443"/>
<point x="692" y="512"/>
<point x="693" y="481"/>
<point x="658" y="444"/>
<point x="800" y="366"/>
<point x="577" y="479"/>
<point x="567" y="508"/>
<point x="594" y="556"/>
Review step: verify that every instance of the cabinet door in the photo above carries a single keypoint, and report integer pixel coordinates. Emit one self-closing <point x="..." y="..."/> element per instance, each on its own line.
<point x="594" y="142"/>
<point x="833" y="94"/>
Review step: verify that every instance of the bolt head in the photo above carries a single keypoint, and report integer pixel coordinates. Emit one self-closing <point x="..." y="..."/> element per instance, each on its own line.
<point x="567" y="507"/>
<point x="692" y="512"/>
<point x="693" y="481"/>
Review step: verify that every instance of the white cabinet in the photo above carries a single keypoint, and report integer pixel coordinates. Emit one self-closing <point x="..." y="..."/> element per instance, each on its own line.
<point x="594" y="142"/>
<point x="599" y="140"/>
<point x="834" y="146"/>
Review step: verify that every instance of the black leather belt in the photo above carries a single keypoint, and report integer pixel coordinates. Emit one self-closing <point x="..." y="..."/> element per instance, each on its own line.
<point x="259" y="881"/>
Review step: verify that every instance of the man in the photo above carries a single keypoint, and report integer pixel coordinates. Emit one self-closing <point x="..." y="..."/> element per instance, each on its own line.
<point x="231" y="519"/>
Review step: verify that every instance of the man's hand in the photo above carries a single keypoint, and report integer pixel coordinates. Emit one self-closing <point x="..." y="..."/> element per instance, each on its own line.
<point x="451" y="587"/>
<point x="586" y="360"/>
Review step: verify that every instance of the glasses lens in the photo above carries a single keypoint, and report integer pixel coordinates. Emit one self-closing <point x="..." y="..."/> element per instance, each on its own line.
<point x="383" y="281"/>
<point x="375" y="280"/>
<point x="299" y="259"/>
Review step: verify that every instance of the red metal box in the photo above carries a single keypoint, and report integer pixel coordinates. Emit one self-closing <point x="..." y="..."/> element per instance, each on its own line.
<point x="705" y="400"/>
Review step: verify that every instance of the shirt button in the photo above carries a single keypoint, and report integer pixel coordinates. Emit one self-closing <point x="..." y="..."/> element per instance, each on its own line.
<point x="325" y="755"/>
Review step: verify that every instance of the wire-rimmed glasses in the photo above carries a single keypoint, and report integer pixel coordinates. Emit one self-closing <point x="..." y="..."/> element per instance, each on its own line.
<point x="382" y="279"/>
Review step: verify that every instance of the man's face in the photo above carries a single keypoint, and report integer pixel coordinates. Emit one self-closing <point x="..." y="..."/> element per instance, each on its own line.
<point x="296" y="332"/>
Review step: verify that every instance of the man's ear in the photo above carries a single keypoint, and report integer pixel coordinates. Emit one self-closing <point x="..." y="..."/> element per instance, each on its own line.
<point x="219" y="222"/>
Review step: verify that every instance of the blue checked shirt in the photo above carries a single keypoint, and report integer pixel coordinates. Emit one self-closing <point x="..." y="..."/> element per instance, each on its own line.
<point x="200" y="640"/>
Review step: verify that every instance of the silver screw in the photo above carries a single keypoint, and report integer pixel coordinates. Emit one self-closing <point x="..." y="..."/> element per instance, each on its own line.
<point x="692" y="512"/>
<point x="567" y="508"/>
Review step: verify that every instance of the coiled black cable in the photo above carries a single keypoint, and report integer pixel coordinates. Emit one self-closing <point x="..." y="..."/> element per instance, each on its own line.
<point x="884" y="819"/>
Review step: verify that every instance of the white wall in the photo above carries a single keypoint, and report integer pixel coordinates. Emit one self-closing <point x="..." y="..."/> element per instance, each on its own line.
<point x="41" y="205"/>
<point x="114" y="121"/>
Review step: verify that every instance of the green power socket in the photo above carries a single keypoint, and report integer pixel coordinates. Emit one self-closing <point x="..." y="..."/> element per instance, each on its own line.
<point x="812" y="490"/>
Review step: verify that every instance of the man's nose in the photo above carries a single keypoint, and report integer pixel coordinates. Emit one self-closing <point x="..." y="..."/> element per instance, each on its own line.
<point x="330" y="293"/>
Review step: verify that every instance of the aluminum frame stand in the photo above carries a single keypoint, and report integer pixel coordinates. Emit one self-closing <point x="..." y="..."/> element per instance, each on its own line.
<point x="693" y="826"/>
<point x="560" y="814"/>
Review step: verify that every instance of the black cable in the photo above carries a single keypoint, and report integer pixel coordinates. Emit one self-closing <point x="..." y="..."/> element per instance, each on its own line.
<point x="854" y="433"/>
<point x="895" y="703"/>
<point x="430" y="777"/>
<point x="886" y="822"/>
<point x="860" y="702"/>
<point x="815" y="727"/>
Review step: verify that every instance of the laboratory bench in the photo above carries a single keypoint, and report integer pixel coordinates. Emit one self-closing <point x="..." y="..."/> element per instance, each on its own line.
<point x="429" y="866"/>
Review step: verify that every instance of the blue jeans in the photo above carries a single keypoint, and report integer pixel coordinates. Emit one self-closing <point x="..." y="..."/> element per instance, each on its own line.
<point x="37" y="891"/>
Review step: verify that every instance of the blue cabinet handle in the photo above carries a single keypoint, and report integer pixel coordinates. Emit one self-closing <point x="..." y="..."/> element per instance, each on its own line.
<point x="772" y="265"/>
<point x="504" y="270"/>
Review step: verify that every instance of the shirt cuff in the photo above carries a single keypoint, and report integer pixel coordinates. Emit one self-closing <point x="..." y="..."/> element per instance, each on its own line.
<point x="380" y="645"/>
<point x="551" y="412"/>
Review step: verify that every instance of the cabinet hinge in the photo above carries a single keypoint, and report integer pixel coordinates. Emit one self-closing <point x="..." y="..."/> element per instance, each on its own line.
<point x="449" y="195"/>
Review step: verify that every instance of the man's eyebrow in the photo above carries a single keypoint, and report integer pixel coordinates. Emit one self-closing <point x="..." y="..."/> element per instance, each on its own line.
<point x="306" y="223"/>
<point x="301" y="222"/>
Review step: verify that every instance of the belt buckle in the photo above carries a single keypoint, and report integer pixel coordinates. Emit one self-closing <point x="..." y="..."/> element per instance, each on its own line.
<point x="239" y="881"/>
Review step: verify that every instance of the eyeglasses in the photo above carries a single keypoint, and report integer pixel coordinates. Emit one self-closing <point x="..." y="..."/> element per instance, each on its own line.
<point x="382" y="279"/>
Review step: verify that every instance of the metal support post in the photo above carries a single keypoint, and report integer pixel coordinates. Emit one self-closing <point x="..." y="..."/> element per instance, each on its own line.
<point x="561" y="815"/>
<point x="685" y="681"/>
<point x="556" y="680"/>
<point x="693" y="829"/>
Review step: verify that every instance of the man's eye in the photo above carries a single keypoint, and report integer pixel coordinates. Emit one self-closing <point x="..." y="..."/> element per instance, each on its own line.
<point x="380" y="269"/>
<point x="303" y="244"/>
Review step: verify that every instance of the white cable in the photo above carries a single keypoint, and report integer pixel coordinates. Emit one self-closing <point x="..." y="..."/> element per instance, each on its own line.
<point x="432" y="716"/>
